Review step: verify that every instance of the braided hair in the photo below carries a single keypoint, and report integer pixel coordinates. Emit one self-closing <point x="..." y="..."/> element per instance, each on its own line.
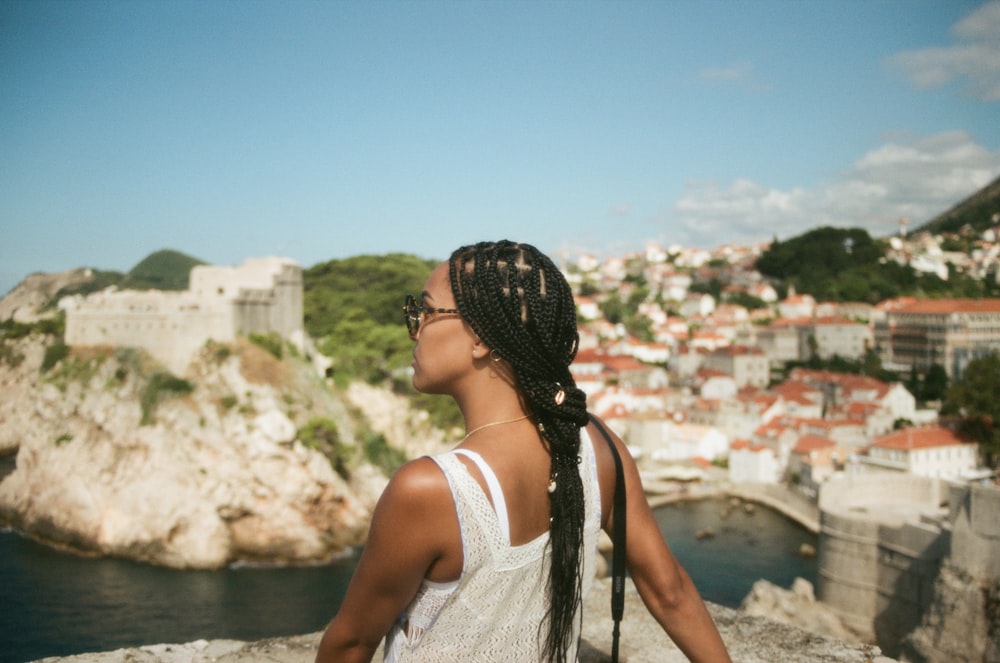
<point x="519" y="303"/>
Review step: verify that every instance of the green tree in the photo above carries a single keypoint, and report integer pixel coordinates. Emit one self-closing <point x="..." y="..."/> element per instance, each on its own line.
<point x="713" y="287"/>
<point x="362" y="348"/>
<point x="935" y="384"/>
<point x="614" y="309"/>
<point x="746" y="300"/>
<point x="846" y="264"/>
<point x="374" y="285"/>
<point x="973" y="399"/>
<point x="353" y="307"/>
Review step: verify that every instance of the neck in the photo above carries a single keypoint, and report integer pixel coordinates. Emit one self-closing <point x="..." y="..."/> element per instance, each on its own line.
<point x="491" y="424"/>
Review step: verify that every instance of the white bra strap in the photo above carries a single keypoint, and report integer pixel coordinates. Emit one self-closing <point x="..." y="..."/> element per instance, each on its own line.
<point x="496" y="492"/>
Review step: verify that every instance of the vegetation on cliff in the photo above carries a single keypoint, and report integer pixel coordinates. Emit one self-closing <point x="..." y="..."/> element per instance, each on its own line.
<point x="977" y="212"/>
<point x="847" y="264"/>
<point x="161" y="270"/>
<point x="353" y="308"/>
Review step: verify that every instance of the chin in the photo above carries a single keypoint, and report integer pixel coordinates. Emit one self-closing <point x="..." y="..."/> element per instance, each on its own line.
<point x="427" y="388"/>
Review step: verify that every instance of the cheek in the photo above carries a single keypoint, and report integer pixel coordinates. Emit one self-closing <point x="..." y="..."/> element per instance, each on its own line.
<point x="437" y="365"/>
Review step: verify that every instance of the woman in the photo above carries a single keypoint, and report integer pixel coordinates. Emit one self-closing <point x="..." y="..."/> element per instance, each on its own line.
<point x="485" y="553"/>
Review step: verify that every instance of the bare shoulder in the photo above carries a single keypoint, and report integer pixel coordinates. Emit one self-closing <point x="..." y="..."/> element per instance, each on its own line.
<point x="415" y="483"/>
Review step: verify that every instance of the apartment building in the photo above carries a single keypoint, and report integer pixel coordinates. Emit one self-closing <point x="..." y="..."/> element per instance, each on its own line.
<point x="748" y="366"/>
<point x="948" y="332"/>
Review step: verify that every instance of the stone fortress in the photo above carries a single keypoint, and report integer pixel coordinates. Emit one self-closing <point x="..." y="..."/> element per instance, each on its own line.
<point x="263" y="296"/>
<point x="914" y="562"/>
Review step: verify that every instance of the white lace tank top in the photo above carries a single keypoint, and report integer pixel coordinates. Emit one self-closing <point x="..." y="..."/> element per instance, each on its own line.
<point x="493" y="611"/>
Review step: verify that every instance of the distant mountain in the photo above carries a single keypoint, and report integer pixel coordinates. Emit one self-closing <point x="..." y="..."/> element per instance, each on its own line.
<point x="976" y="211"/>
<point x="161" y="270"/>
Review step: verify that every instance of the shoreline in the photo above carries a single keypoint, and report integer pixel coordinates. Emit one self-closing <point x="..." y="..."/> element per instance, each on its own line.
<point x="770" y="496"/>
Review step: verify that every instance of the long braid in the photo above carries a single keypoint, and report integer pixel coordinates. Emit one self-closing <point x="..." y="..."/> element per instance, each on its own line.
<point x="520" y="305"/>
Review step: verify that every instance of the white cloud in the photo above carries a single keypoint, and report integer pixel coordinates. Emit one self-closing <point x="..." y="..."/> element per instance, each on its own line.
<point x="914" y="178"/>
<point x="975" y="57"/>
<point x="742" y="75"/>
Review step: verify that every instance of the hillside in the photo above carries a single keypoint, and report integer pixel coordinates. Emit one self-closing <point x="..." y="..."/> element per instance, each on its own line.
<point x="977" y="211"/>
<point x="847" y="264"/>
<point x="37" y="295"/>
<point x="161" y="270"/>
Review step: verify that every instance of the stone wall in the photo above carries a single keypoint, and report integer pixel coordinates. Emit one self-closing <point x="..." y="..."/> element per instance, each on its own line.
<point x="963" y="621"/>
<point x="264" y="295"/>
<point x="975" y="518"/>
<point x="881" y="546"/>
<point x="924" y="579"/>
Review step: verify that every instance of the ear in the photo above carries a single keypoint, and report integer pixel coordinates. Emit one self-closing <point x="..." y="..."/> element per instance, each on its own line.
<point x="479" y="349"/>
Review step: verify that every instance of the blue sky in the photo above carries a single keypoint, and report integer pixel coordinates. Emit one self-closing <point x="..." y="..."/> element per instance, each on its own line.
<point x="320" y="130"/>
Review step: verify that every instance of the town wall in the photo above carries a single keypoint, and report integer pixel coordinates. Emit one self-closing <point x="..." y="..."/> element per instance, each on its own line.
<point x="881" y="544"/>
<point x="975" y="537"/>
<point x="263" y="295"/>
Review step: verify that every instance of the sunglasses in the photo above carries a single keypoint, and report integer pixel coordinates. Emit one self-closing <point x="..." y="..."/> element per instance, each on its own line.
<point x="414" y="312"/>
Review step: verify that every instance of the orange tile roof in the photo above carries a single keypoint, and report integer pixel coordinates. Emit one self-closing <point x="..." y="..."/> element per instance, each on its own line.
<point x="944" y="306"/>
<point x="808" y="443"/>
<point x="741" y="444"/>
<point x="918" y="438"/>
<point x="734" y="350"/>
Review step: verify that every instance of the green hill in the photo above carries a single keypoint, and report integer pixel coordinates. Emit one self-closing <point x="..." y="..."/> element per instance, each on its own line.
<point x="846" y="264"/>
<point x="161" y="270"/>
<point x="353" y="308"/>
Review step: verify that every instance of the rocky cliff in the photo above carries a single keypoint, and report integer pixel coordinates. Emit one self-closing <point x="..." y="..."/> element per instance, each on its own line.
<point x="117" y="457"/>
<point x="962" y="623"/>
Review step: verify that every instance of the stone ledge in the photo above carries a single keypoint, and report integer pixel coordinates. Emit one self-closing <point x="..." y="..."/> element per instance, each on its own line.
<point x="750" y="640"/>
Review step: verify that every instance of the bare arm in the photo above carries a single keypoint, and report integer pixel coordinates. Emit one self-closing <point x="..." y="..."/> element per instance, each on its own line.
<point x="412" y="526"/>
<point x="665" y="587"/>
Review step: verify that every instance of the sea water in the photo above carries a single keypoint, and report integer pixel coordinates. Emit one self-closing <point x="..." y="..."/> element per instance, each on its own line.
<point x="56" y="604"/>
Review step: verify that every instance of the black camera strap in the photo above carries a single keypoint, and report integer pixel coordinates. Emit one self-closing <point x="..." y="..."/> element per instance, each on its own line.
<point x="618" y="538"/>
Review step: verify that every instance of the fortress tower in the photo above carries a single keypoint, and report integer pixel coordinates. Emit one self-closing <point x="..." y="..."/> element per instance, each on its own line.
<point x="263" y="295"/>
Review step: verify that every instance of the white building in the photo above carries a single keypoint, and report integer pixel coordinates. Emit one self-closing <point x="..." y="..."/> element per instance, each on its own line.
<point x="753" y="463"/>
<point x="748" y="366"/>
<point x="662" y="438"/>
<point x="932" y="451"/>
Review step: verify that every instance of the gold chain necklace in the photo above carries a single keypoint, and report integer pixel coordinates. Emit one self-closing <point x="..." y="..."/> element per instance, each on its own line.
<point x="491" y="425"/>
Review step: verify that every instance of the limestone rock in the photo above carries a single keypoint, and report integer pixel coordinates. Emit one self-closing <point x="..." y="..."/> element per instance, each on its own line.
<point x="216" y="476"/>
<point x="26" y="302"/>
<point x="750" y="639"/>
<point x="796" y="607"/>
<point x="390" y="415"/>
<point x="961" y="624"/>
